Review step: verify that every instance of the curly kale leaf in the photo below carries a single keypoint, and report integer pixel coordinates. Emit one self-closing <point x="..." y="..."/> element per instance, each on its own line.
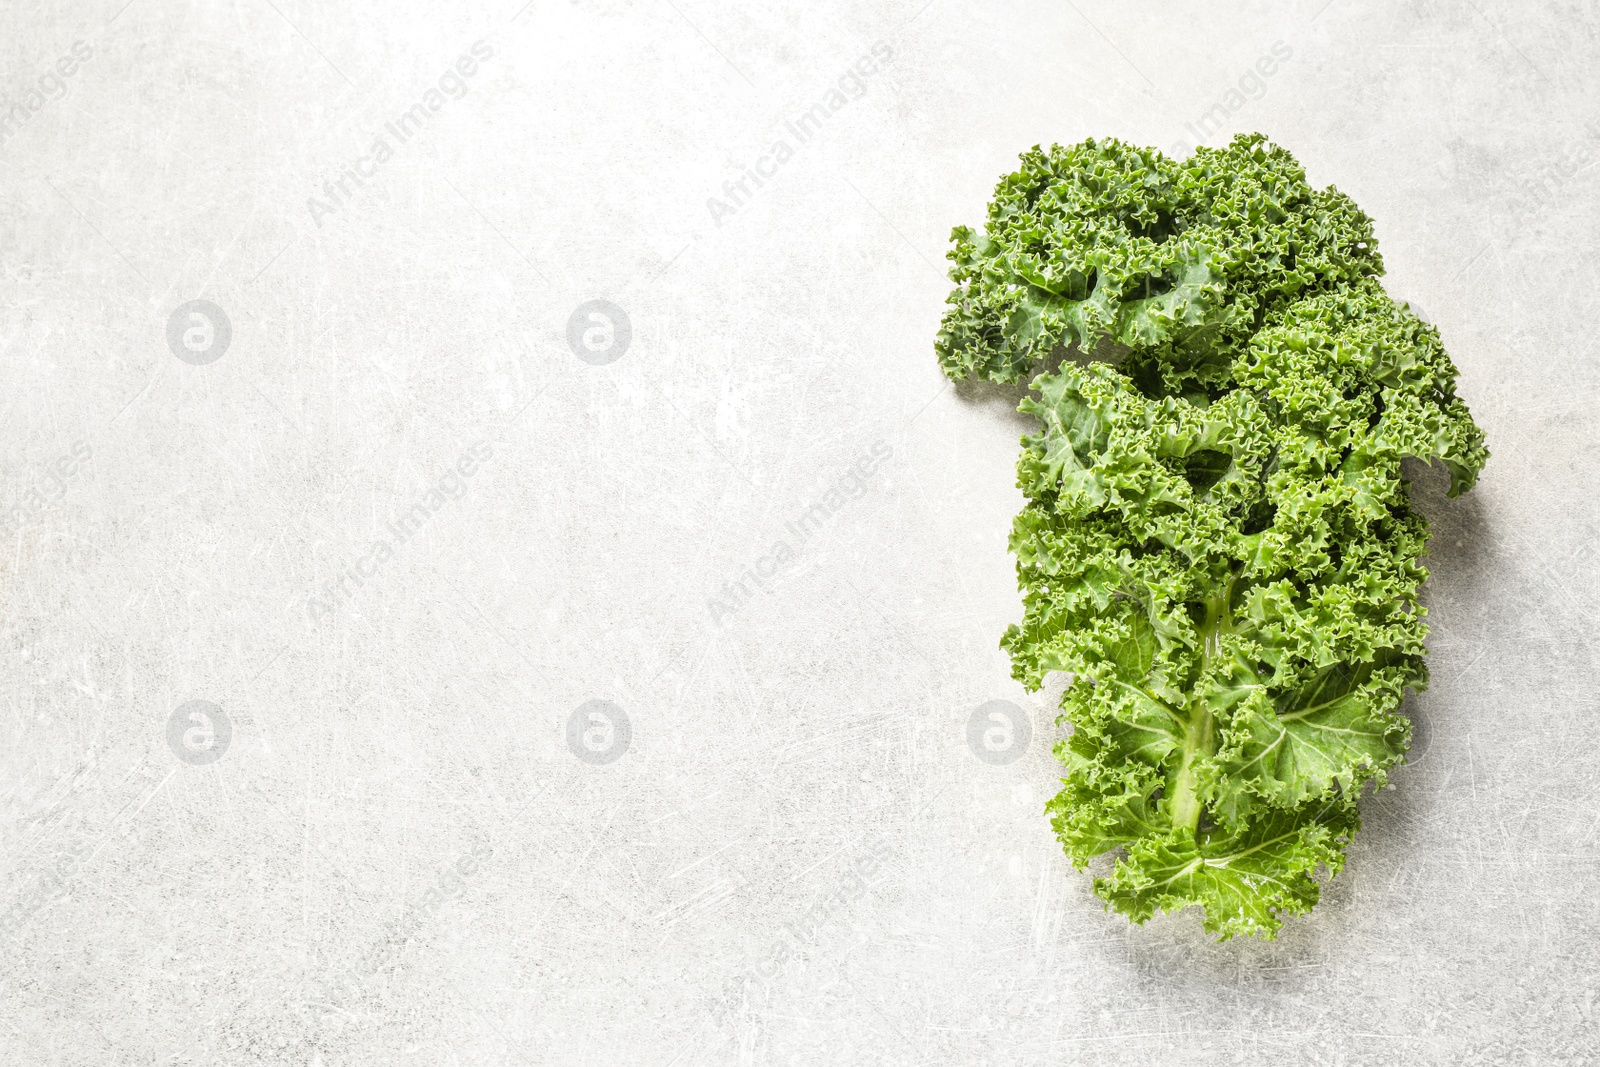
<point x="1218" y="543"/>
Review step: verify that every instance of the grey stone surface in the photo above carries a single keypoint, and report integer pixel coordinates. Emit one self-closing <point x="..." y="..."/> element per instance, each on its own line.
<point x="412" y="519"/>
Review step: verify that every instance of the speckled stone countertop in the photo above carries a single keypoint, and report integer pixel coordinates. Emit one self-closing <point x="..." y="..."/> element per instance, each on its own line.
<point x="492" y="573"/>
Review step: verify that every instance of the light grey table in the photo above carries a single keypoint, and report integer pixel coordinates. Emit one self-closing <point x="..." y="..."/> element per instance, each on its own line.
<point x="589" y="682"/>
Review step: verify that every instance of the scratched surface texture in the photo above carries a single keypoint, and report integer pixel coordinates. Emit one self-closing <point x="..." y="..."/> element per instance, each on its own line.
<point x="491" y="572"/>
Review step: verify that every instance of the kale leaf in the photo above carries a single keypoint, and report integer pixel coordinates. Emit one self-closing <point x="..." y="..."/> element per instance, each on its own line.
<point x="1218" y="543"/>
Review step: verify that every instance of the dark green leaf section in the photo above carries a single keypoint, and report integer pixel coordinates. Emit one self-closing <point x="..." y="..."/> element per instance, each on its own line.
<point x="1217" y="541"/>
<point x="1103" y="240"/>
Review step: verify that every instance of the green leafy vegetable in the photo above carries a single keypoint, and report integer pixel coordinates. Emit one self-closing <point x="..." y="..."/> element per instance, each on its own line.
<point x="1217" y="542"/>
